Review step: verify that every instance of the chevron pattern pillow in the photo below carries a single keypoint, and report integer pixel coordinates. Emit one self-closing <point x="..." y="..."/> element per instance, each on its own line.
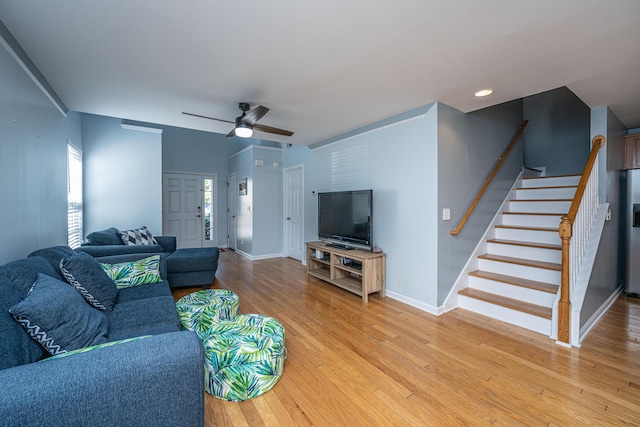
<point x="83" y="272"/>
<point x="57" y="317"/>
<point x="139" y="236"/>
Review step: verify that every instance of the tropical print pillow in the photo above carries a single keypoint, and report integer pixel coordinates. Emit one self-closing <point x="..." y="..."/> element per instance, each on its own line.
<point x="134" y="273"/>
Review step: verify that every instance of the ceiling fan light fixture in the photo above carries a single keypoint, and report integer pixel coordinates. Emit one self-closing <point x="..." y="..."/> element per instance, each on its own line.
<point x="244" y="130"/>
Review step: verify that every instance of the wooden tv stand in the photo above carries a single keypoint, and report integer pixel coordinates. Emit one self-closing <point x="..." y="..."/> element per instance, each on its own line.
<point x="363" y="274"/>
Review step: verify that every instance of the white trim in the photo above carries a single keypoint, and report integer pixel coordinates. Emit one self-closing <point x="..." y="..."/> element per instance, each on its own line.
<point x="140" y="128"/>
<point x="258" y="257"/>
<point x="436" y="311"/>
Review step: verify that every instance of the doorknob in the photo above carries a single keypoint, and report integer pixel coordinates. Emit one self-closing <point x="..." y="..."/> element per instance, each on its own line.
<point x="197" y="216"/>
<point x="288" y="218"/>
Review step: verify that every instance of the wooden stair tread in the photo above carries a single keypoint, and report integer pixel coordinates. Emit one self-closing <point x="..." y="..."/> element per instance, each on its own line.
<point x="515" y="227"/>
<point x="551" y="176"/>
<point x="527" y="244"/>
<point x="516" y="281"/>
<point x="540" y="200"/>
<point x="534" y="213"/>
<point x="546" y="188"/>
<point x="522" y="261"/>
<point x="525" y="307"/>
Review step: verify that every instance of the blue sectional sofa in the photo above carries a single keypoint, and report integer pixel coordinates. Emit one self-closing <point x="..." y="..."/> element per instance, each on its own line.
<point x="185" y="267"/>
<point x="139" y="368"/>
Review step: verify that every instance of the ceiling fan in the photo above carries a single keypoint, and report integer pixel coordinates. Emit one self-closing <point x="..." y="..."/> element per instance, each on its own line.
<point x="246" y="122"/>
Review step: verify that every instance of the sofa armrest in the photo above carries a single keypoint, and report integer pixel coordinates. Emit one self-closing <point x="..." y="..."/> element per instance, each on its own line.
<point x="168" y="243"/>
<point x="153" y="381"/>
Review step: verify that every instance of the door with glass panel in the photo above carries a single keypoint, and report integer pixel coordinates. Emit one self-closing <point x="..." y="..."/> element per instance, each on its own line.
<point x="189" y="209"/>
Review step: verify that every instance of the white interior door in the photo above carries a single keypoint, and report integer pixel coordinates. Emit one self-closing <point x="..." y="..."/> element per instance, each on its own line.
<point x="294" y="212"/>
<point x="182" y="209"/>
<point x="232" y="203"/>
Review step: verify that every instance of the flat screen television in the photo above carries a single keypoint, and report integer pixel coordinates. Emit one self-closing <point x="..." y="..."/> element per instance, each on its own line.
<point x="345" y="218"/>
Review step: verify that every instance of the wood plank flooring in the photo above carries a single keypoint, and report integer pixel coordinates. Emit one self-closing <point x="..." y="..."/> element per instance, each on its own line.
<point x="388" y="364"/>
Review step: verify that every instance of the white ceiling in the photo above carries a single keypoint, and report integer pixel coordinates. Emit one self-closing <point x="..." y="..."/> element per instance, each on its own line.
<point x="326" y="67"/>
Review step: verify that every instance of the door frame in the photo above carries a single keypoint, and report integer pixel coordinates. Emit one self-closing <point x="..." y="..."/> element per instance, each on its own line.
<point x="285" y="200"/>
<point x="232" y="217"/>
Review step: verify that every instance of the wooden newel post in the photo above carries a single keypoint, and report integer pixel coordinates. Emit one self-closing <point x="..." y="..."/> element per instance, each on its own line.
<point x="564" y="306"/>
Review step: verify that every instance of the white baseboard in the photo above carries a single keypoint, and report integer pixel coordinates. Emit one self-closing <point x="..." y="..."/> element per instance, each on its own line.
<point x="436" y="311"/>
<point x="258" y="257"/>
<point x="593" y="320"/>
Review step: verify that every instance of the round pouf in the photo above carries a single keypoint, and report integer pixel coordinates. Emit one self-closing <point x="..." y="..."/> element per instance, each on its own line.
<point x="202" y="310"/>
<point x="244" y="358"/>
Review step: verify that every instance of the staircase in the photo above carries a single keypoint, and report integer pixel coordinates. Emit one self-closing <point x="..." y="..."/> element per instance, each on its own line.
<point x="518" y="277"/>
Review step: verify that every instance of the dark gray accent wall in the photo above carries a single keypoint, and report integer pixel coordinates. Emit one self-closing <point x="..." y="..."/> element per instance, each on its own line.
<point x="557" y="133"/>
<point x="609" y="267"/>
<point x="33" y="164"/>
<point x="469" y="146"/>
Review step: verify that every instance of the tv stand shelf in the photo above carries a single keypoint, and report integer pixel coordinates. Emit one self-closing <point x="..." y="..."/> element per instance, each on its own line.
<point x="363" y="274"/>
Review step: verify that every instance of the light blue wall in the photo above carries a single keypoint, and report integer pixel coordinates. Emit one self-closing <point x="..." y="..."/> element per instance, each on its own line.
<point x="193" y="151"/>
<point x="609" y="267"/>
<point x="469" y="146"/>
<point x="122" y="176"/>
<point x="399" y="162"/>
<point x="33" y="160"/>
<point x="241" y="164"/>
<point x="259" y="213"/>
<point x="267" y="202"/>
<point x="558" y="132"/>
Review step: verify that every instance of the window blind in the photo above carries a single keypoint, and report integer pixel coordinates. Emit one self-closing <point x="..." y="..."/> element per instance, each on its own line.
<point x="74" y="196"/>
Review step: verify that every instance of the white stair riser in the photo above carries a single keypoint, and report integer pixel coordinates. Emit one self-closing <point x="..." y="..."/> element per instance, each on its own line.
<point x="516" y="270"/>
<point x="545" y="193"/>
<point x="524" y="320"/>
<point x="547" y="221"/>
<point x="525" y="252"/>
<point x="551" y="182"/>
<point x="535" y="236"/>
<point x="521" y="293"/>
<point x="542" y="206"/>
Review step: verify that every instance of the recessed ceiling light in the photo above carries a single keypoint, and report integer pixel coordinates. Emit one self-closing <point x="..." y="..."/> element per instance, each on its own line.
<point x="484" y="92"/>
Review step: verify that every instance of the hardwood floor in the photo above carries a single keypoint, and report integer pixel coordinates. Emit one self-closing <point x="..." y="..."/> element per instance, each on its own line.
<point x="388" y="364"/>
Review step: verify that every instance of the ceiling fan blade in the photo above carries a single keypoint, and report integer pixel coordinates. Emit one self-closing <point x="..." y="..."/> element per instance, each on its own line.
<point x="210" y="118"/>
<point x="232" y="133"/>
<point x="254" y="115"/>
<point x="269" y="129"/>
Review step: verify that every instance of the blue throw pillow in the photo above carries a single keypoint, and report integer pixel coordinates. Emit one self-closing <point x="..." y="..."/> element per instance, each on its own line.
<point x="84" y="273"/>
<point x="110" y="236"/>
<point x="58" y="318"/>
<point x="16" y="347"/>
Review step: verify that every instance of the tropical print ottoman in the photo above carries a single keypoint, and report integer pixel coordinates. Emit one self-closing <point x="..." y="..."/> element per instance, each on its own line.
<point x="202" y="310"/>
<point x="244" y="357"/>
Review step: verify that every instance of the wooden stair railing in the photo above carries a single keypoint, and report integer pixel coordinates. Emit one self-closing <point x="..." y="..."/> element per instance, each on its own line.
<point x="501" y="160"/>
<point x="579" y="214"/>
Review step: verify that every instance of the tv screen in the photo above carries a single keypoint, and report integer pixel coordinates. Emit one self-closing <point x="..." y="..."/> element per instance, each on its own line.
<point x="344" y="217"/>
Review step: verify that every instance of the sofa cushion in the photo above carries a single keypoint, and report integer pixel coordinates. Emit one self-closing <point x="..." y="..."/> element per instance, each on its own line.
<point x="139" y="236"/>
<point x="151" y="290"/>
<point x="54" y="255"/>
<point x="84" y="273"/>
<point x="24" y="272"/>
<point x="193" y="259"/>
<point x="58" y="318"/>
<point x="134" y="273"/>
<point x="110" y="236"/>
<point x="143" y="317"/>
<point x="16" y="347"/>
